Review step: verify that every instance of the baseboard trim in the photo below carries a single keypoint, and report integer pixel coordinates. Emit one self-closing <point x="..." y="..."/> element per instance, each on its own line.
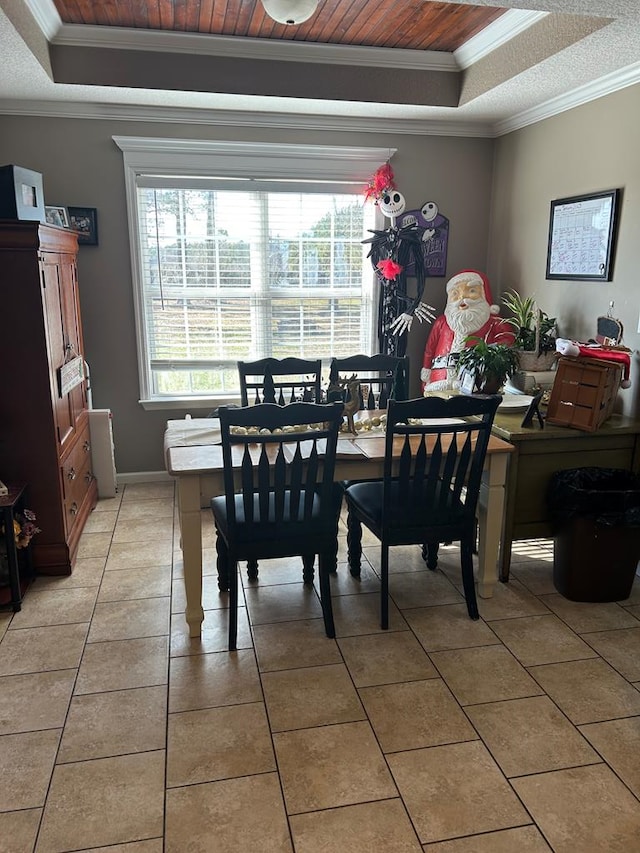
<point x="143" y="477"/>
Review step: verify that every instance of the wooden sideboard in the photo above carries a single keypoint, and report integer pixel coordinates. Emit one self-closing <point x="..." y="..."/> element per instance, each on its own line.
<point x="539" y="453"/>
<point x="44" y="425"/>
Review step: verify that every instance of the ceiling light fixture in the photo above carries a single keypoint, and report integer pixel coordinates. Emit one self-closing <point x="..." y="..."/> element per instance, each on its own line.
<point x="290" y="12"/>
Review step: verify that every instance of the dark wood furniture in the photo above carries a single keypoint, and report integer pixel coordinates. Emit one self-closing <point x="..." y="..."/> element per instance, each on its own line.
<point x="280" y="380"/>
<point x="381" y="377"/>
<point x="284" y="502"/>
<point x="431" y="483"/>
<point x="11" y="505"/>
<point x="44" y="434"/>
<point x="539" y="453"/>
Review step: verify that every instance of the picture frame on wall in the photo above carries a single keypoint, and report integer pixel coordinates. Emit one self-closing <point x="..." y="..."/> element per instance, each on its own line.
<point x="56" y="215"/>
<point x="84" y="221"/>
<point x="582" y="232"/>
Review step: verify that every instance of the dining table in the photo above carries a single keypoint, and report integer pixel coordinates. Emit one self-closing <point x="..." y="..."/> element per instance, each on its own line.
<point x="193" y="456"/>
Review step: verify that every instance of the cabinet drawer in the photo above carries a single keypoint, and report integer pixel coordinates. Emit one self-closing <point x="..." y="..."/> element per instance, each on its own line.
<point x="76" y="477"/>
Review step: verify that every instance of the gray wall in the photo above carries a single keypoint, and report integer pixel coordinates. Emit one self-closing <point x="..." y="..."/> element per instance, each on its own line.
<point x="82" y="166"/>
<point x="590" y="148"/>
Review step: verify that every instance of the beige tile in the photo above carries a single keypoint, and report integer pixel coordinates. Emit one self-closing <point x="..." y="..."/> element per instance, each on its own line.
<point x="530" y="736"/>
<point x="55" y="607"/>
<point x="282" y="603"/>
<point x="214" y="636"/>
<point x="244" y="814"/>
<point x="152" y="508"/>
<point x="620" y="648"/>
<point x="209" y="566"/>
<point x="273" y="572"/>
<point x="415" y="715"/>
<point x="18" y="830"/>
<point x="212" y="680"/>
<point x="212" y="598"/>
<point x="448" y="627"/>
<point x="523" y="839"/>
<point x="109" y="504"/>
<point x="124" y="620"/>
<point x="122" y="555"/>
<point x="509" y="601"/>
<point x="218" y="743"/>
<point x="38" y="700"/>
<point x="618" y="742"/>
<point x="94" y="545"/>
<point x="313" y="696"/>
<point x="360" y="614"/>
<point x="154" y="845"/>
<point x="5" y="620"/>
<point x="86" y="572"/>
<point x="288" y="645"/>
<point x="484" y="674"/>
<point x="331" y="766"/>
<point x="535" y="575"/>
<point x="588" y="691"/>
<point x="147" y="582"/>
<point x="455" y="790"/>
<point x="26" y="762"/>
<point x="381" y="827"/>
<point x="104" y="801"/>
<point x="160" y="490"/>
<point x="41" y="649"/>
<point x="146" y="529"/>
<point x="123" y="664"/>
<point x="584" y="617"/>
<point x="402" y="558"/>
<point x="541" y="639"/>
<point x="385" y="658"/>
<point x="101" y="522"/>
<point x="422" y="589"/>
<point x="525" y="550"/>
<point x="582" y="809"/>
<point x="634" y="611"/>
<point x="106" y="724"/>
<point x="343" y="582"/>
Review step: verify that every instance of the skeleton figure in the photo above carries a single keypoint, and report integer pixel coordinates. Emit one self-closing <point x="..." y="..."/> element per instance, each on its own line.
<point x="392" y="250"/>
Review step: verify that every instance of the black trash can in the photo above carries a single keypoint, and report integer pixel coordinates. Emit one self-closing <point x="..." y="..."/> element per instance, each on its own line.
<point x="595" y="514"/>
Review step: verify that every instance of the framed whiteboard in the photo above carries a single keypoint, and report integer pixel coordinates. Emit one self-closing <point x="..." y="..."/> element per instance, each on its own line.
<point x="582" y="232"/>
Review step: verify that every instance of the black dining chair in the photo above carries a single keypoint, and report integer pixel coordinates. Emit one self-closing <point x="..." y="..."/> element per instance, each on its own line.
<point x="380" y="376"/>
<point x="280" y="380"/>
<point x="434" y="455"/>
<point x="280" y="497"/>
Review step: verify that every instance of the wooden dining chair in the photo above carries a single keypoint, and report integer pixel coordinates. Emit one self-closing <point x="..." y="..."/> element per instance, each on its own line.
<point x="280" y="497"/>
<point x="281" y="381"/>
<point x="380" y="376"/>
<point x="434" y="456"/>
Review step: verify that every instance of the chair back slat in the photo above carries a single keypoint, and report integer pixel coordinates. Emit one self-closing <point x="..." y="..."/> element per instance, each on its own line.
<point x="280" y="381"/>
<point x="381" y="377"/>
<point x="247" y="484"/>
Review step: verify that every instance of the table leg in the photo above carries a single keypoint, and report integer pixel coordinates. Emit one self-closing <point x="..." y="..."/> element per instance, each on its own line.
<point x="191" y="543"/>
<point x="490" y="514"/>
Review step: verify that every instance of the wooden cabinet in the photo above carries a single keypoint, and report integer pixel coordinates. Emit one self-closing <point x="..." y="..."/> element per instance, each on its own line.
<point x="44" y="430"/>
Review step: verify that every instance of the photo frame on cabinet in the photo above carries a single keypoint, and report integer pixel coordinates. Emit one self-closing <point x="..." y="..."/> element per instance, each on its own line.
<point x="582" y="232"/>
<point x="56" y="215"/>
<point x="84" y="221"/>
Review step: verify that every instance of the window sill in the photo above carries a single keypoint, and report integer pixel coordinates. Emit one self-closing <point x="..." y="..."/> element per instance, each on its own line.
<point x="190" y="404"/>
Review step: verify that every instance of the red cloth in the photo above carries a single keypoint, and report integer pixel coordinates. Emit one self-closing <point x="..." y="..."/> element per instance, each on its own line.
<point x="620" y="356"/>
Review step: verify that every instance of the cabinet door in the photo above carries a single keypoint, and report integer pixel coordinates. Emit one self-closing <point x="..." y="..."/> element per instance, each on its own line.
<point x="58" y="275"/>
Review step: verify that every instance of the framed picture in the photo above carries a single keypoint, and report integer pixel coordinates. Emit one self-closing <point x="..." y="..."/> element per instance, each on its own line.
<point x="84" y="220"/>
<point x="582" y="231"/>
<point x="57" y="216"/>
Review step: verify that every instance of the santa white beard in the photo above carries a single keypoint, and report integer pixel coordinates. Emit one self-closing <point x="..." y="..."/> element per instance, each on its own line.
<point x="465" y="322"/>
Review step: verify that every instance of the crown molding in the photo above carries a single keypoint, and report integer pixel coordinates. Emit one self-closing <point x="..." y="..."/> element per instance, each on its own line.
<point x="232" y="118"/>
<point x="46" y="16"/>
<point x="507" y="27"/>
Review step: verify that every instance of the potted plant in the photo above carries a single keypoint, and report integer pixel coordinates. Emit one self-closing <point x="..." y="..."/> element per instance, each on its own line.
<point x="536" y="332"/>
<point x="490" y="364"/>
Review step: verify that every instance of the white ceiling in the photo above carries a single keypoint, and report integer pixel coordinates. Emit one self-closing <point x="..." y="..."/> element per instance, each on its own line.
<point x="603" y="61"/>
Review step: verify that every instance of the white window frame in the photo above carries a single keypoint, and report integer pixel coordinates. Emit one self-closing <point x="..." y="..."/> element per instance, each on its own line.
<point x="173" y="159"/>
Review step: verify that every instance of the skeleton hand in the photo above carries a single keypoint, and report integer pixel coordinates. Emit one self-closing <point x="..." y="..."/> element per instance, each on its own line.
<point x="401" y="324"/>
<point x="425" y="312"/>
<point x="427" y="234"/>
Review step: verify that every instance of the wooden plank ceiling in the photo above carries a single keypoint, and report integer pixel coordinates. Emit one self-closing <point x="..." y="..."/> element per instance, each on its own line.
<point x="409" y="24"/>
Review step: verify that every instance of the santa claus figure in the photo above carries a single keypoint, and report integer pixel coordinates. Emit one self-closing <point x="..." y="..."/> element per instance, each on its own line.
<point x="469" y="312"/>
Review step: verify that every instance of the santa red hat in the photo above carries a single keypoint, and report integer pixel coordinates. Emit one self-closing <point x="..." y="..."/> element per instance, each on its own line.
<point x="475" y="276"/>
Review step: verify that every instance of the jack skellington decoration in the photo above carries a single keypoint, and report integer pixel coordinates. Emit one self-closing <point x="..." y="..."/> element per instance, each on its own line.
<point x="392" y="251"/>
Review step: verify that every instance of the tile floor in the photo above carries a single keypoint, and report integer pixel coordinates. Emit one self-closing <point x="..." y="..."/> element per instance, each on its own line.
<point x="518" y="733"/>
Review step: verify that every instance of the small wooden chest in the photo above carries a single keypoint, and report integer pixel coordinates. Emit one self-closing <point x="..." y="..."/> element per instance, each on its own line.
<point x="584" y="392"/>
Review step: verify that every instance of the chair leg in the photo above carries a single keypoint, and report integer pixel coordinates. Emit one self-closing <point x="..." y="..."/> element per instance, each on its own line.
<point x="354" y="544"/>
<point x="430" y="554"/>
<point x="308" y="561"/>
<point x="468" y="582"/>
<point x="324" y="564"/>
<point x="233" y="603"/>
<point x="384" y="590"/>
<point x="252" y="570"/>
<point x="222" y="563"/>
